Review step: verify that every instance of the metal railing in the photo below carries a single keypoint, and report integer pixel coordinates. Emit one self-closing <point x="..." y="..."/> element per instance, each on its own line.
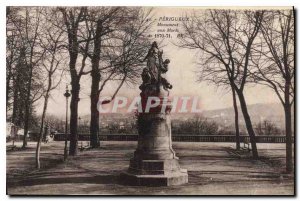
<point x="179" y="138"/>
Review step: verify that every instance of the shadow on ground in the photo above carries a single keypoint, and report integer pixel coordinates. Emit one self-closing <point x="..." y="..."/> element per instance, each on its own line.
<point x="213" y="168"/>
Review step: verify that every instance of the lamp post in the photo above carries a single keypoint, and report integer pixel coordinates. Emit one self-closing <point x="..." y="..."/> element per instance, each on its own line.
<point x="79" y="125"/>
<point x="67" y="95"/>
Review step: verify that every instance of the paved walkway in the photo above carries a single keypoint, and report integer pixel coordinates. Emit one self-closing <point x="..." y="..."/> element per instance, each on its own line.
<point x="213" y="168"/>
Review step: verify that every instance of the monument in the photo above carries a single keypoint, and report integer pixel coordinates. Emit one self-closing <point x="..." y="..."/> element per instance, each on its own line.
<point x="154" y="162"/>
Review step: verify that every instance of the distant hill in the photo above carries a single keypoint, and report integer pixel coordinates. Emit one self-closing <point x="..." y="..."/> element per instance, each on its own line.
<point x="263" y="110"/>
<point x="258" y="112"/>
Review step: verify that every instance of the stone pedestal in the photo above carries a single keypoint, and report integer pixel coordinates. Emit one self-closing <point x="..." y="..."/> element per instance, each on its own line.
<point x="154" y="162"/>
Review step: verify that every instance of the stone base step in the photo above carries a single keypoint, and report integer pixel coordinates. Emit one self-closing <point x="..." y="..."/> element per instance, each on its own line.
<point x="176" y="178"/>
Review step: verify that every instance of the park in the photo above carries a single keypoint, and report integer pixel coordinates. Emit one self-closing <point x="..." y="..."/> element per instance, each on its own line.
<point x="98" y="106"/>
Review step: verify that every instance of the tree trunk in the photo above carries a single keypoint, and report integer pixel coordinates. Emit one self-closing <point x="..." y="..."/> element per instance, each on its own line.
<point x="236" y="120"/>
<point x="289" y="144"/>
<point x="15" y="105"/>
<point x="288" y="129"/>
<point x="8" y="87"/>
<point x="27" y="108"/>
<point x="66" y="132"/>
<point x="26" y="125"/>
<point x="75" y="79"/>
<point x="39" y="143"/>
<point x="72" y="23"/>
<point x="94" y="124"/>
<point x="38" y="147"/>
<point x="248" y="124"/>
<point x="74" y="118"/>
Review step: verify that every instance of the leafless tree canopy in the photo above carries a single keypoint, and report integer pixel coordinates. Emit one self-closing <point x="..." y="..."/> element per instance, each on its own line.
<point x="107" y="43"/>
<point x="237" y="47"/>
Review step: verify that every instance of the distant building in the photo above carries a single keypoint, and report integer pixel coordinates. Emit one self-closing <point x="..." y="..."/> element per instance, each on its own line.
<point x="11" y="129"/>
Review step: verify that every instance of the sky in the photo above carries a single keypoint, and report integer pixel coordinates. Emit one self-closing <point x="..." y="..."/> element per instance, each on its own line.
<point x="181" y="75"/>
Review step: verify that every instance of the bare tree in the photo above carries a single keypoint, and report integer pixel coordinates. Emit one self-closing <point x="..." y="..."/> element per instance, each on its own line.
<point x="18" y="79"/>
<point x="24" y="25"/>
<point x="102" y="22"/>
<point x="119" y="45"/>
<point x="12" y="53"/>
<point x="32" y="25"/>
<point x="225" y="39"/>
<point x="212" y="72"/>
<point x="274" y="61"/>
<point x="267" y="128"/>
<point x="75" y="27"/>
<point x="50" y="40"/>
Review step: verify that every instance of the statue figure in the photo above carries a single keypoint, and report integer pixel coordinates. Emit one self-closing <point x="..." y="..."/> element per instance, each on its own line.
<point x="163" y="69"/>
<point x="152" y="61"/>
<point x="152" y="74"/>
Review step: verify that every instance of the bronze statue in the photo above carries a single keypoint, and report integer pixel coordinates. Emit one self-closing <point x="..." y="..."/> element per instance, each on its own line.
<point x="152" y="74"/>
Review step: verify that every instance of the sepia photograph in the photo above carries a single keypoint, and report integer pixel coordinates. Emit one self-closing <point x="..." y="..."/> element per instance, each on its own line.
<point x="150" y="100"/>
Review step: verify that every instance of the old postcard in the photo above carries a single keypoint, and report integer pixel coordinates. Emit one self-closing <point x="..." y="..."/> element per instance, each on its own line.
<point x="150" y="100"/>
